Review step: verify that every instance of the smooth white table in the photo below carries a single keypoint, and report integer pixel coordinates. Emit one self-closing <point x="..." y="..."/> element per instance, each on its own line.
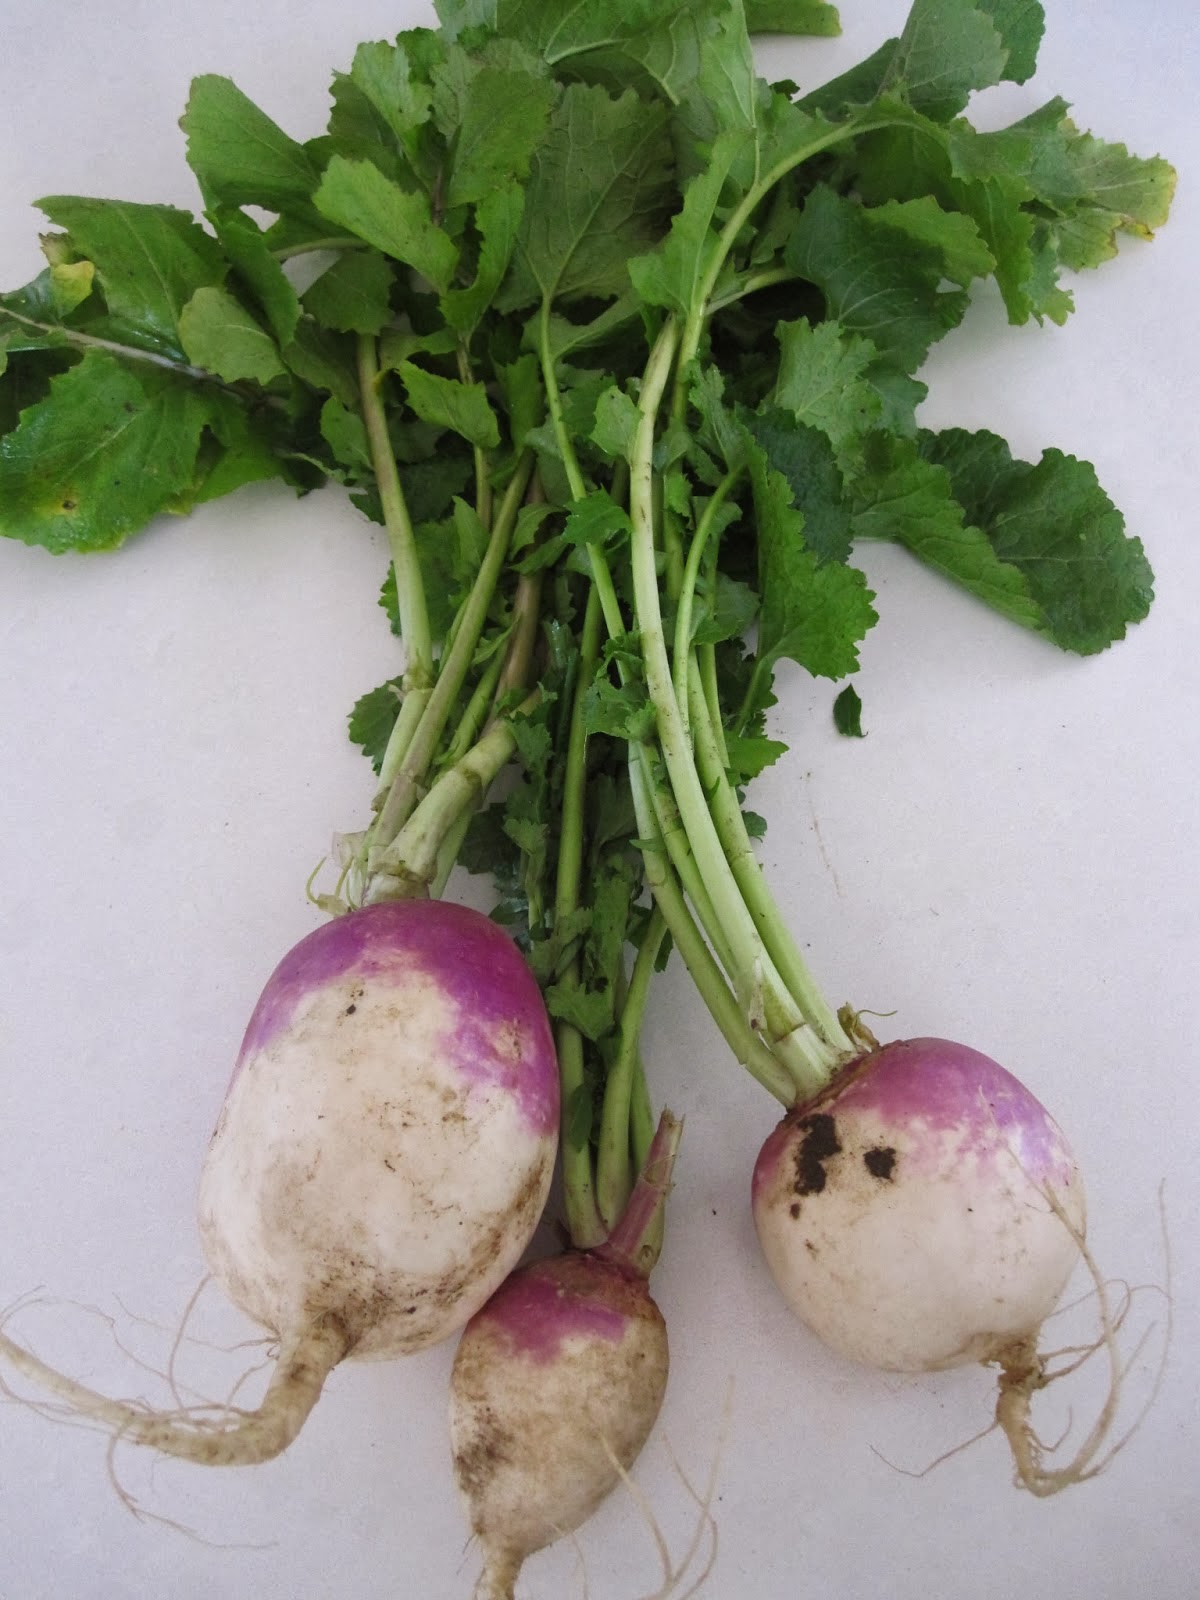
<point x="1009" y="857"/>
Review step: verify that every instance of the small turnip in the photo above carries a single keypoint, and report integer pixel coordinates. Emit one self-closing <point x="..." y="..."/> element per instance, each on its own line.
<point x="380" y="1163"/>
<point x="925" y="1212"/>
<point x="557" y="1384"/>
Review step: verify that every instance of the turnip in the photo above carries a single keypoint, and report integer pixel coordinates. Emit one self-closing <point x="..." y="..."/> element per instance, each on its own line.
<point x="924" y="1212"/>
<point x="913" y="1216"/>
<point x="380" y="1163"/>
<point x="557" y="1383"/>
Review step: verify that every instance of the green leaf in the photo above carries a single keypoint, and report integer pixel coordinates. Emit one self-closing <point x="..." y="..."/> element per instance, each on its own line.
<point x="598" y="186"/>
<point x="751" y="754"/>
<point x="346" y="435"/>
<point x="239" y="155"/>
<point x="149" y="260"/>
<point x="588" y="1010"/>
<point x="907" y="499"/>
<point x="596" y="520"/>
<point x="503" y="119"/>
<point x="1120" y="193"/>
<point x="354" y="294"/>
<point x="430" y="486"/>
<point x="720" y="432"/>
<point x="384" y="73"/>
<point x="847" y="713"/>
<point x="1054" y="524"/>
<point x="359" y="198"/>
<point x="99" y="457"/>
<point x="1020" y="24"/>
<point x="220" y="335"/>
<point x="824" y="381"/>
<point x="954" y="236"/>
<point x="657" y="42"/>
<point x="324" y="360"/>
<point x="400" y="344"/>
<point x="566" y="337"/>
<point x="624" y="711"/>
<point x="670" y="275"/>
<point x="446" y="402"/>
<point x="876" y="281"/>
<point x="617" y="419"/>
<point x="70" y="285"/>
<point x="524" y="396"/>
<point x="812" y="17"/>
<point x="729" y="614"/>
<point x="498" y="220"/>
<point x="813" y="612"/>
<point x="260" y="271"/>
<point x="804" y="457"/>
<point x="948" y="49"/>
<point x="373" y="718"/>
<point x="239" y="446"/>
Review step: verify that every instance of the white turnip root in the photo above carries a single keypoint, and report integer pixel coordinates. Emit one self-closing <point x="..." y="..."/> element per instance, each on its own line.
<point x="923" y="1213"/>
<point x="381" y="1161"/>
<point x="557" y="1383"/>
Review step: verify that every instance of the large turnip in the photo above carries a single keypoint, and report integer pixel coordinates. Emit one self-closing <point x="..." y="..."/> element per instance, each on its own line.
<point x="379" y="1165"/>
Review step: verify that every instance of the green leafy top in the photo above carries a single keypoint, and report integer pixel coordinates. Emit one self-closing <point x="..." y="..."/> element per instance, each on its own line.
<point x="603" y="329"/>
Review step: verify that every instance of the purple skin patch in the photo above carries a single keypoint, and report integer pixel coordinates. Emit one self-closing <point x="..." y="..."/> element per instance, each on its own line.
<point x="504" y="1038"/>
<point x="946" y="1086"/>
<point x="569" y="1296"/>
<point x="924" y="1089"/>
<point x="775" y="1147"/>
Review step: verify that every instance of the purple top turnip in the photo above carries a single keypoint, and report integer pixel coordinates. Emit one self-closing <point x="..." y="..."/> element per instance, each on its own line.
<point x="380" y="1163"/>
<point x="557" y="1384"/>
<point x="907" y="1216"/>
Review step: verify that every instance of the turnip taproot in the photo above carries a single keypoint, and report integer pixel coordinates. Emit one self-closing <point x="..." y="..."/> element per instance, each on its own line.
<point x="381" y="1161"/>
<point x="557" y="1383"/>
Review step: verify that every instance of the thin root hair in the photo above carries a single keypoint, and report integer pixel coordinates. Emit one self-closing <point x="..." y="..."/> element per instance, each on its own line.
<point x="142" y="1513"/>
<point x="207" y="1433"/>
<point x="1024" y="1372"/>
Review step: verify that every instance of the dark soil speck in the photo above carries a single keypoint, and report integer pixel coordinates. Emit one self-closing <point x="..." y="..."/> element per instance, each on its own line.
<point x="819" y="1143"/>
<point x="880" y="1162"/>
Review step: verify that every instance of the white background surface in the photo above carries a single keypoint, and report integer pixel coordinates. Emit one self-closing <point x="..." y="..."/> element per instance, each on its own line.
<point x="1009" y="857"/>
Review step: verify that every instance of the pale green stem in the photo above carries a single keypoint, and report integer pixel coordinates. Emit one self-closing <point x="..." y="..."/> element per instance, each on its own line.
<point x="480" y="703"/>
<point x="447" y="857"/>
<point x="409" y="865"/>
<point x="601" y="575"/>
<point x="405" y="788"/>
<point x="754" y="974"/>
<point x="410" y="586"/>
<point x="707" y="658"/>
<point x="687" y="594"/>
<point x="412" y="709"/>
<point x="579" y="1192"/>
<point x="522" y="642"/>
<point x="641" y="1115"/>
<point x="739" y="852"/>
<point x="713" y="987"/>
<point x="614" y="1157"/>
<point x="752" y="284"/>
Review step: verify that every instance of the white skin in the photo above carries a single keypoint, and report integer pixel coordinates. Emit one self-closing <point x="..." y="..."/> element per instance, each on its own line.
<point x="379" y="1166"/>
<point x="544" y="1418"/>
<point x="371" y="1177"/>
<point x="920" y="1242"/>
